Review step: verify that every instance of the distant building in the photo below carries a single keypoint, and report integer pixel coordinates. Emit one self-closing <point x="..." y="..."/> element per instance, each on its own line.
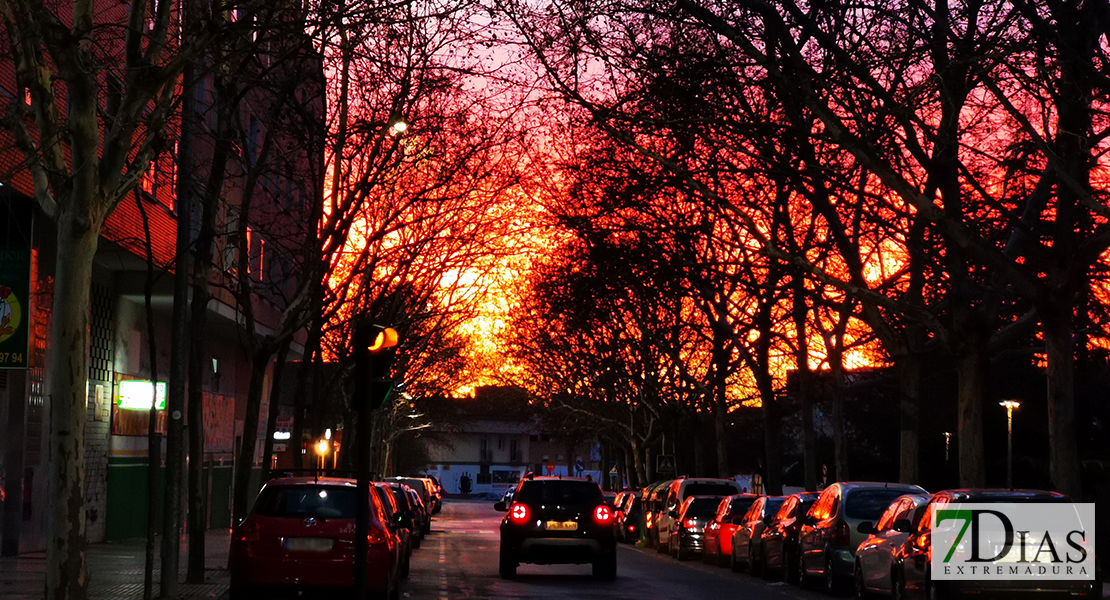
<point x="497" y="438"/>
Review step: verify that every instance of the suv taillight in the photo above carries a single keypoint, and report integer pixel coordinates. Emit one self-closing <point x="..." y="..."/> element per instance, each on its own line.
<point x="689" y="523"/>
<point x="249" y="532"/>
<point x="842" y="534"/>
<point x="603" y="515"/>
<point x="518" y="513"/>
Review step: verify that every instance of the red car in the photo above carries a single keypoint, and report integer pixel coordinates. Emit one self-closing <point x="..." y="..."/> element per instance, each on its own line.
<point x="299" y="537"/>
<point x="718" y="534"/>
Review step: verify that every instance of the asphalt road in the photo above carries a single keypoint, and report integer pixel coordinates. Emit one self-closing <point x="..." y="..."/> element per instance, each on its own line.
<point x="459" y="561"/>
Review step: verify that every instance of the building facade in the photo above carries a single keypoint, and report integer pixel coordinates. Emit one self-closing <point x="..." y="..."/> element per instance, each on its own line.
<point x="127" y="352"/>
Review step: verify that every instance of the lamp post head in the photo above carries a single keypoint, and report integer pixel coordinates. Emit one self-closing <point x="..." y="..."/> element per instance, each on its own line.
<point x="322" y="447"/>
<point x="1010" y="404"/>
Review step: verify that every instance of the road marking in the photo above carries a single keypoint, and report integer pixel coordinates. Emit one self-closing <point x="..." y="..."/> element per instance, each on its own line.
<point x="443" y="568"/>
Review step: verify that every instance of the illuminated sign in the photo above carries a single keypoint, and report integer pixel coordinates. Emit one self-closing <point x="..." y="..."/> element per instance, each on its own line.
<point x="136" y="395"/>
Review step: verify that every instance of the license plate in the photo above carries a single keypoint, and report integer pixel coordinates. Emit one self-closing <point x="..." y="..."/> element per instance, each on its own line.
<point x="562" y="525"/>
<point x="309" y="544"/>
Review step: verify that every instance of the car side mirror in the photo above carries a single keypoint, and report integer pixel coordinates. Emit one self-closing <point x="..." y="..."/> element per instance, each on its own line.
<point x="866" y="528"/>
<point x="500" y="506"/>
<point x="902" y="526"/>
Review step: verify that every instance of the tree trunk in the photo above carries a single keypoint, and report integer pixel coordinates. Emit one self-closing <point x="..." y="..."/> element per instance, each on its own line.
<point x="66" y="385"/>
<point x="631" y="476"/>
<point x="772" y="482"/>
<point x="909" y="383"/>
<point x="1063" y="449"/>
<point x="198" y="314"/>
<point x="804" y="386"/>
<point x="700" y="463"/>
<point x="308" y="365"/>
<point x="154" y="439"/>
<point x="972" y="369"/>
<point x="349" y="444"/>
<point x="721" y="364"/>
<point x="179" y="349"/>
<point x="839" y="419"/>
<point x="272" y="413"/>
<point x="244" y="462"/>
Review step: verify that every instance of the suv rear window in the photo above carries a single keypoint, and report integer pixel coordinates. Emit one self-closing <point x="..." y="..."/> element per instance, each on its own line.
<point x="559" y="492"/>
<point x="869" y="504"/>
<point x="307" y="501"/>
<point x="703" y="507"/>
<point x="710" y="489"/>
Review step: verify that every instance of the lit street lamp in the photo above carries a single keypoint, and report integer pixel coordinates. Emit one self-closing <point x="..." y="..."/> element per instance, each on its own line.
<point x="322" y="451"/>
<point x="1010" y="406"/>
<point x="947" y="444"/>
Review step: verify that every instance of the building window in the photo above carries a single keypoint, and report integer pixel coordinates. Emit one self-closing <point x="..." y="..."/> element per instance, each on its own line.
<point x="484" y="475"/>
<point x="146" y="182"/>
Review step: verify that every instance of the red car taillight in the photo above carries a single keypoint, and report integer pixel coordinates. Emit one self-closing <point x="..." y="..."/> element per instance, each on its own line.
<point x="689" y="523"/>
<point x="518" y="513"/>
<point x="842" y="534"/>
<point x="378" y="535"/>
<point x="249" y="532"/>
<point x="603" y="515"/>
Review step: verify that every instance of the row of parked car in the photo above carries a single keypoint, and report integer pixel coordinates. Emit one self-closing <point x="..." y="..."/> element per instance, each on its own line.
<point x="869" y="538"/>
<point x="300" y="536"/>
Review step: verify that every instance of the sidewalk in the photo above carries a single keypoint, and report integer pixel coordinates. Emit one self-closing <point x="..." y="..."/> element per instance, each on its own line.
<point x="116" y="571"/>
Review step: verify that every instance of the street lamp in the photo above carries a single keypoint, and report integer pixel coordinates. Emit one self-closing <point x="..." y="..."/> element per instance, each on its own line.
<point x="322" y="451"/>
<point x="947" y="444"/>
<point x="1010" y="406"/>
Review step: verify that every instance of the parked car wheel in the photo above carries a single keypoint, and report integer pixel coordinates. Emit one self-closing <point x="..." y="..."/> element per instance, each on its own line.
<point x="767" y="572"/>
<point x="932" y="592"/>
<point x="605" y="568"/>
<point x="897" y="586"/>
<point x="242" y="594"/>
<point x="861" y="588"/>
<point x="506" y="565"/>
<point x="754" y="567"/>
<point x="804" y="580"/>
<point x="722" y="560"/>
<point x="789" y="567"/>
<point x="832" y="582"/>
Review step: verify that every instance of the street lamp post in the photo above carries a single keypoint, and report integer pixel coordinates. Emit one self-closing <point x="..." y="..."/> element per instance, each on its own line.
<point x="947" y="444"/>
<point x="1010" y="406"/>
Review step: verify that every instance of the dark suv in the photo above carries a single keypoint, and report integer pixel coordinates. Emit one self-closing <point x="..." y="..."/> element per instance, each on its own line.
<point x="558" y="521"/>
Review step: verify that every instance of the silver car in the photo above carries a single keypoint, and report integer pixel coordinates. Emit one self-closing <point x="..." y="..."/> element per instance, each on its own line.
<point x="875" y="556"/>
<point x="829" y="536"/>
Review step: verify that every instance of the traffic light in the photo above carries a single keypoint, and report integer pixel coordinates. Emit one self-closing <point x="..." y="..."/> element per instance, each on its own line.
<point x="375" y="350"/>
